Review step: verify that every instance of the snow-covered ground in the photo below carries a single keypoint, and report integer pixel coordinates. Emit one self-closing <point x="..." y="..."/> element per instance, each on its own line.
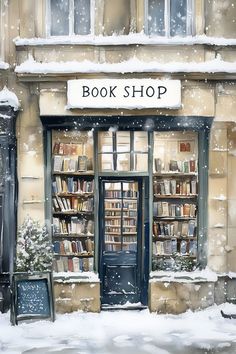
<point x="125" y="332"/>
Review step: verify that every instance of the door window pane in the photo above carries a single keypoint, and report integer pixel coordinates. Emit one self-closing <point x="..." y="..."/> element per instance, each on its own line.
<point x="156" y="17"/>
<point x="106" y="162"/>
<point x="123" y="162"/>
<point x="140" y="162"/>
<point x="82" y="16"/>
<point x="123" y="141"/>
<point x="140" y="141"/>
<point x="178" y="18"/>
<point x="105" y="142"/>
<point x="59" y="17"/>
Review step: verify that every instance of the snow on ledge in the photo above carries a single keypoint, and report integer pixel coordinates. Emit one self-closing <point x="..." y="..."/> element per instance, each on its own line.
<point x="9" y="98"/>
<point x="132" y="38"/>
<point x="204" y="275"/>
<point x="3" y="65"/>
<point x="74" y="277"/>
<point x="129" y="66"/>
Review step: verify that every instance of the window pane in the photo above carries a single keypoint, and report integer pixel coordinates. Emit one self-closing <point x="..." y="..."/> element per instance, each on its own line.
<point x="59" y="17"/>
<point x="178" y="18"/>
<point x="106" y="162"/>
<point x="117" y="17"/>
<point x="123" y="141"/>
<point x="140" y="141"/>
<point x="82" y="16"/>
<point x="140" y="162"/>
<point x="123" y="162"/>
<point x="105" y="143"/>
<point x="156" y="17"/>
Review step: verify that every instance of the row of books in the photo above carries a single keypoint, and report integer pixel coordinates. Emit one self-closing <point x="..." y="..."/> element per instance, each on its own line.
<point x="110" y="238"/>
<point x="165" y="209"/>
<point x="126" y="213"/>
<point x="187" y="166"/>
<point x="175" y="228"/>
<point x="117" y="222"/>
<point x="118" y="247"/>
<point x="74" y="264"/>
<point x="117" y="230"/>
<point x="74" y="247"/>
<point x="73" y="226"/>
<point x="71" y="164"/>
<point x="174" y="186"/>
<point x="68" y="148"/>
<point x="120" y="194"/>
<point x="173" y="247"/>
<point x="72" y="185"/>
<point x="75" y="204"/>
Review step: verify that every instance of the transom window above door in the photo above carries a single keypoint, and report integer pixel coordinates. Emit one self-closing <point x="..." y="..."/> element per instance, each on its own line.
<point x="169" y="17"/>
<point x="123" y="151"/>
<point x="69" y="17"/>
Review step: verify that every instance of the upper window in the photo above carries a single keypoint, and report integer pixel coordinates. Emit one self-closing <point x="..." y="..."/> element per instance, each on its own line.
<point x="169" y="17"/>
<point x="69" y="17"/>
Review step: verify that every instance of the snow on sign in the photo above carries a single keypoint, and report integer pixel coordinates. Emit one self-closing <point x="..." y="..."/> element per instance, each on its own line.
<point x="124" y="93"/>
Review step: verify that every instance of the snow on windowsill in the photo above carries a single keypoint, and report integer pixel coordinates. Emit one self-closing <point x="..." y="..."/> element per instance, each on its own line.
<point x="75" y="277"/>
<point x="3" y="65"/>
<point x="129" y="66"/>
<point x="204" y="275"/>
<point x="9" y="98"/>
<point x="132" y="38"/>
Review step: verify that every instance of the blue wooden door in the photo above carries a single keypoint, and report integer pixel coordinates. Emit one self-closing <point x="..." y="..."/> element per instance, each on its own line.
<point x="121" y="229"/>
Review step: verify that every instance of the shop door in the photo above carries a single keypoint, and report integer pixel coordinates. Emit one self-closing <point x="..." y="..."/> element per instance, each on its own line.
<point x="121" y="229"/>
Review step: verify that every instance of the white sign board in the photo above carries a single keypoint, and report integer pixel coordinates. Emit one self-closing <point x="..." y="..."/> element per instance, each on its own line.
<point x="124" y="93"/>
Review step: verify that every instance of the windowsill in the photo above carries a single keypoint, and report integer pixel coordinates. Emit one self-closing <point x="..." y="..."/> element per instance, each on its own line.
<point x="131" y="39"/>
<point x="3" y="65"/>
<point x="74" y="277"/>
<point x="205" y="275"/>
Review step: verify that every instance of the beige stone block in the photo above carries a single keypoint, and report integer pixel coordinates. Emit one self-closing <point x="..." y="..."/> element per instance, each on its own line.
<point x="35" y="211"/>
<point x="30" y="139"/>
<point x="218" y="263"/>
<point x="77" y="296"/>
<point x="170" y="54"/>
<point x="217" y="216"/>
<point x="232" y="236"/>
<point x="27" y="29"/>
<point x="197" y="101"/>
<point x="226" y="108"/>
<point x="218" y="137"/>
<point x="31" y="164"/>
<point x="231" y="260"/>
<point x="183" y="291"/>
<point x="231" y="176"/>
<point x="232" y="212"/>
<point x="64" y="53"/>
<point x="163" y="290"/>
<point x="217" y="240"/>
<point x="217" y="163"/>
<point x="217" y="187"/>
<point x="220" y="291"/>
<point x="176" y="306"/>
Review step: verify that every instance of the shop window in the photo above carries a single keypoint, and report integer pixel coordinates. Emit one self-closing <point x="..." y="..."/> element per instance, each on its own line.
<point x="70" y="17"/>
<point x="72" y="201"/>
<point x="123" y="151"/>
<point x="169" y="17"/>
<point x="175" y="201"/>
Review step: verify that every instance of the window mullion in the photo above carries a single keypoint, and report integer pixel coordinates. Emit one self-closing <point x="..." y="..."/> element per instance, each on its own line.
<point x="71" y="18"/>
<point x="167" y="18"/>
<point x="190" y="17"/>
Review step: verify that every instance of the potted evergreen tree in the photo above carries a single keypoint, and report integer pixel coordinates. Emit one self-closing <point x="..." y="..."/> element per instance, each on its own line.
<point x="34" y="250"/>
<point x="32" y="290"/>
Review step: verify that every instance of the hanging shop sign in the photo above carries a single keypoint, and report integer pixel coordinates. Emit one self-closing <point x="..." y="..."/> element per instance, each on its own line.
<point x="124" y="93"/>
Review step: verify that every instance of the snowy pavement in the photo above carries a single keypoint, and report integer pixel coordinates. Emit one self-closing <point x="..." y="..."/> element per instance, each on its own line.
<point x="123" y="332"/>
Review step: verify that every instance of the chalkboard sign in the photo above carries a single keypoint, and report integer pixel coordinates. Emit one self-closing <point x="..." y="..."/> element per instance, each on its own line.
<point x="32" y="297"/>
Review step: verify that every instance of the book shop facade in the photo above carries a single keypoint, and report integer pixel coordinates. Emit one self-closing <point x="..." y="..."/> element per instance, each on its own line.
<point x="124" y="192"/>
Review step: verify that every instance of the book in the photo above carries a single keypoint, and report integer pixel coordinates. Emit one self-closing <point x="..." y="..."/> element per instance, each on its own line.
<point x="157" y="163"/>
<point x="57" y="163"/>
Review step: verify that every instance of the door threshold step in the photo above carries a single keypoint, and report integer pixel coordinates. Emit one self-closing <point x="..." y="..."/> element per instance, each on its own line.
<point x="123" y="307"/>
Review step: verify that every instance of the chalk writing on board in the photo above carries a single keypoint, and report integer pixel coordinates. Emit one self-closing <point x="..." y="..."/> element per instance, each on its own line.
<point x="33" y="297"/>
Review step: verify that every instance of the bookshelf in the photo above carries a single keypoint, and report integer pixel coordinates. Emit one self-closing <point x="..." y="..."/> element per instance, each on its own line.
<point x="120" y="216"/>
<point x="72" y="201"/>
<point x="175" y="201"/>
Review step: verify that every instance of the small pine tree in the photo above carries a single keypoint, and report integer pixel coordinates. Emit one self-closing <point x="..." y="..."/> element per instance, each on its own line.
<point x="34" y="250"/>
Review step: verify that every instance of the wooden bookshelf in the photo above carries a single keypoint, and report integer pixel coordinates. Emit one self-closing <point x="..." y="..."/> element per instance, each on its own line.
<point x="72" y="202"/>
